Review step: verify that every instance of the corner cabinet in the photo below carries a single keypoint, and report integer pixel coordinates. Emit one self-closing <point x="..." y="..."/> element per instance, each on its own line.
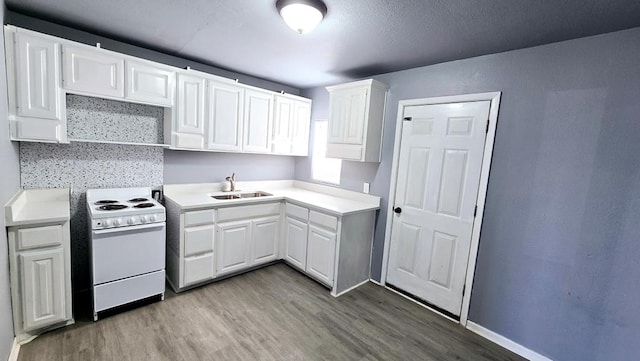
<point x="356" y="119"/>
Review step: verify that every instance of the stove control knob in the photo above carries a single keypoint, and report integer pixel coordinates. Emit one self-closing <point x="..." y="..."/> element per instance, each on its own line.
<point x="131" y="220"/>
<point x="153" y="218"/>
<point x="107" y="223"/>
<point x="144" y="219"/>
<point x="117" y="221"/>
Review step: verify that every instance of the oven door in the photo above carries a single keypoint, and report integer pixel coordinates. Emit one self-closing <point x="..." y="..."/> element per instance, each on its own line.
<point x="123" y="252"/>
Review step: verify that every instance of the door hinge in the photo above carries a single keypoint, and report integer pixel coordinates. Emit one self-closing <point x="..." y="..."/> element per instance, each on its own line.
<point x="408" y="119"/>
<point x="475" y="210"/>
<point x="464" y="288"/>
<point x="487" y="128"/>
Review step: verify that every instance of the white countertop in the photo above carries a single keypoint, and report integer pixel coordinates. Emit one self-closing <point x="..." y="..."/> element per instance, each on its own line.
<point x="35" y="206"/>
<point x="328" y="199"/>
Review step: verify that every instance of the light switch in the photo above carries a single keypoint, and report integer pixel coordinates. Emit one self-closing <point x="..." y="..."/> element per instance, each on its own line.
<point x="365" y="189"/>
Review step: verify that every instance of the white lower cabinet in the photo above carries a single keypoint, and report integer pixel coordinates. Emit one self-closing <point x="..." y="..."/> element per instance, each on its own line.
<point x="43" y="287"/>
<point x="234" y="246"/>
<point x="265" y="233"/>
<point x="40" y="277"/>
<point x="198" y="268"/>
<point x="227" y="240"/>
<point x="296" y="242"/>
<point x="310" y="239"/>
<point x="321" y="251"/>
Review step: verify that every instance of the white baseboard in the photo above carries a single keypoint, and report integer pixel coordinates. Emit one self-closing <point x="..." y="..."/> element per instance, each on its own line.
<point x="506" y="343"/>
<point x="15" y="349"/>
<point x="376" y="282"/>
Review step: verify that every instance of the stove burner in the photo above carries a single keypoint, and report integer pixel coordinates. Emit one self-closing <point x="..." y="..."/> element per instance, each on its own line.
<point x="112" y="207"/>
<point x="138" y="200"/>
<point x="143" y="205"/>
<point x="106" y="201"/>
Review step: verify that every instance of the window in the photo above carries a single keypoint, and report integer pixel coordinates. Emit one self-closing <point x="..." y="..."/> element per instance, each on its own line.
<point x="323" y="169"/>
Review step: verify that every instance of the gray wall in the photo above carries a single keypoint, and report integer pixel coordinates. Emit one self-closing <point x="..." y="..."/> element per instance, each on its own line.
<point x="9" y="185"/>
<point x="557" y="267"/>
<point x="204" y="167"/>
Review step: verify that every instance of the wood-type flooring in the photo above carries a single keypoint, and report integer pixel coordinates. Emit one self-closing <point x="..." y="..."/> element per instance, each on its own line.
<point x="274" y="313"/>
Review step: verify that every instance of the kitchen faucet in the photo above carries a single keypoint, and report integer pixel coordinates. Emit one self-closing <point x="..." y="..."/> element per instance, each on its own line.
<point x="232" y="182"/>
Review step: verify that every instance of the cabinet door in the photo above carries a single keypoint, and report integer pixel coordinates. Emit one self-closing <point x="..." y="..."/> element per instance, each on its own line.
<point x="233" y="246"/>
<point x="282" y="125"/>
<point x="296" y="243"/>
<point x="265" y="239"/>
<point x="43" y="287"/>
<point x="258" y="118"/>
<point x="224" y="116"/>
<point x="189" y="130"/>
<point x="198" y="240"/>
<point x="92" y="71"/>
<point x="321" y="254"/>
<point x="35" y="100"/>
<point x="347" y="115"/>
<point x="300" y="128"/>
<point x="198" y="269"/>
<point x="149" y="84"/>
<point x="37" y="77"/>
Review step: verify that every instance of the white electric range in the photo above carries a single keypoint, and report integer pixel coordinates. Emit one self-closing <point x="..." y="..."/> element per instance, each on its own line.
<point x="127" y="241"/>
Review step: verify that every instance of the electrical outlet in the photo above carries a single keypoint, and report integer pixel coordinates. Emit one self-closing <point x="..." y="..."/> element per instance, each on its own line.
<point x="365" y="189"/>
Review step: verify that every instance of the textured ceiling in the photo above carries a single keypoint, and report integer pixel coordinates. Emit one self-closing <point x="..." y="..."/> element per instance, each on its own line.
<point x="358" y="38"/>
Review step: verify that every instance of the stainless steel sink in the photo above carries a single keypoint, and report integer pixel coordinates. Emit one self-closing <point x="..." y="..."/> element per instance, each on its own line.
<point x="242" y="195"/>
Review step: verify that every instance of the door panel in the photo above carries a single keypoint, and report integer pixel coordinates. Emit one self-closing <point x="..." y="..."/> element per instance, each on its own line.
<point x="233" y="253"/>
<point x="92" y="71"/>
<point x="321" y="254"/>
<point x="437" y="186"/>
<point x="43" y="287"/>
<point x="296" y="243"/>
<point x="258" y="118"/>
<point x="37" y="82"/>
<point x="224" y="114"/>
<point x="149" y="84"/>
<point x="265" y="239"/>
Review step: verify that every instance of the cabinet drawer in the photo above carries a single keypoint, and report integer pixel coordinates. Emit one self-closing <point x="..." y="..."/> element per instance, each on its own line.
<point x="39" y="237"/>
<point x="323" y="220"/>
<point x="198" y="239"/>
<point x="243" y="212"/>
<point x="198" y="268"/>
<point x="297" y="212"/>
<point x="197" y="218"/>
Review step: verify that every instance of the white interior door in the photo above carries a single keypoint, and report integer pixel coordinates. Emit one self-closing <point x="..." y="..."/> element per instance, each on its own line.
<point x="439" y="169"/>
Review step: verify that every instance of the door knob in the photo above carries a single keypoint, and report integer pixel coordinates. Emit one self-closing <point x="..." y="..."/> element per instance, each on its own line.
<point x="397" y="210"/>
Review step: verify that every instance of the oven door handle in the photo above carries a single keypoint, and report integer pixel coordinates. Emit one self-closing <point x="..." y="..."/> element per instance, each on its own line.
<point x="128" y="228"/>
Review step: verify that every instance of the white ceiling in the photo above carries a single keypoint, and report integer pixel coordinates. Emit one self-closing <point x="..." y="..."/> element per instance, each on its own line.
<point x="358" y="38"/>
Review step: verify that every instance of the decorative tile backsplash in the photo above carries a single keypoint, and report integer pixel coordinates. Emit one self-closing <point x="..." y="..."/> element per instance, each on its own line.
<point x="110" y="120"/>
<point x="83" y="166"/>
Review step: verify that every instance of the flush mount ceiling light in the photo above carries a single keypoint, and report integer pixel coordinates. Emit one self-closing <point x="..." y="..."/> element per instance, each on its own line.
<point x="302" y="15"/>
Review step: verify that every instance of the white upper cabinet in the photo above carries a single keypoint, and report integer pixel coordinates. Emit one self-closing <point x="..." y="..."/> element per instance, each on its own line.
<point x="92" y="71"/>
<point x="201" y="111"/>
<point x="356" y="115"/>
<point x="258" y="119"/>
<point x="189" y="112"/>
<point x="282" y="124"/>
<point x="149" y="83"/>
<point x="224" y="116"/>
<point x="291" y="125"/>
<point x="33" y="91"/>
<point x="300" y="128"/>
